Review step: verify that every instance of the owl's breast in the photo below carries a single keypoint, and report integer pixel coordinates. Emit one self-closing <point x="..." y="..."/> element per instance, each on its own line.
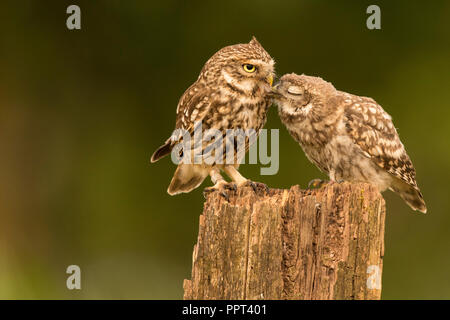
<point x="251" y="116"/>
<point x="313" y="137"/>
<point x="241" y="114"/>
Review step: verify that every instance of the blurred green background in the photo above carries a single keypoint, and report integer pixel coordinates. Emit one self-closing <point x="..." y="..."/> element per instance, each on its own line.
<point x="82" y="111"/>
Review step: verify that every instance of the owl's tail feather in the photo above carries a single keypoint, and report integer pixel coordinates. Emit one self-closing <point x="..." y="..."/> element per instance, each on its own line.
<point x="186" y="178"/>
<point x="162" y="151"/>
<point x="412" y="196"/>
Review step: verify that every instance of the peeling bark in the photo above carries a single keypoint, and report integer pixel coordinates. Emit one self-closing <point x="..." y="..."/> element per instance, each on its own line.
<point x="290" y="244"/>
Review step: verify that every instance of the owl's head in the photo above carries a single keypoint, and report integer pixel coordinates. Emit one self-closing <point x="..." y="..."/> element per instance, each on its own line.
<point x="295" y="92"/>
<point x="244" y="68"/>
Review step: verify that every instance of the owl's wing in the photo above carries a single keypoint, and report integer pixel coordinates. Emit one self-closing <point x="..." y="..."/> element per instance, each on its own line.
<point x="192" y="107"/>
<point x="194" y="104"/>
<point x="192" y="110"/>
<point x="373" y="131"/>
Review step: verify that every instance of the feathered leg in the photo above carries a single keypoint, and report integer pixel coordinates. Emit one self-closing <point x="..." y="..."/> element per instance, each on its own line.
<point x="235" y="175"/>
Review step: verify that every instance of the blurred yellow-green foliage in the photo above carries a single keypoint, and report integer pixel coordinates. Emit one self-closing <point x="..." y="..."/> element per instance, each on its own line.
<point x="82" y="111"/>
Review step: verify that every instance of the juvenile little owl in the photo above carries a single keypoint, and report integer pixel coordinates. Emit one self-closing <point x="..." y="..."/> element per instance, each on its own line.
<point x="350" y="138"/>
<point x="231" y="92"/>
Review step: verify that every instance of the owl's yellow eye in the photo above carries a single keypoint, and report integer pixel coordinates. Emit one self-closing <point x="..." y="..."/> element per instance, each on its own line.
<point x="249" y="68"/>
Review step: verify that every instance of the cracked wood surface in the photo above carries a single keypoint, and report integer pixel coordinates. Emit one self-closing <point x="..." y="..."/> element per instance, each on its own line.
<point x="290" y="244"/>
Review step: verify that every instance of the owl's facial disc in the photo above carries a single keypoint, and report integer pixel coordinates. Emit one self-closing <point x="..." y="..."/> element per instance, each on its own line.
<point x="257" y="70"/>
<point x="249" y="75"/>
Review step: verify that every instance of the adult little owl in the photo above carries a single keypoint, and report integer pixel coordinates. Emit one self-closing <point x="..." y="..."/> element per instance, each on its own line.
<point x="350" y="138"/>
<point x="231" y="92"/>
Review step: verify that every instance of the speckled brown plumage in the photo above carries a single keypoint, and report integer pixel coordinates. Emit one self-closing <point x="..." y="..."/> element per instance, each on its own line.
<point x="225" y="96"/>
<point x="348" y="137"/>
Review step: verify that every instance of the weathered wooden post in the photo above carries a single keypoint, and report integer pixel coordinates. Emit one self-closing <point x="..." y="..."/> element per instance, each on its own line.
<point x="290" y="244"/>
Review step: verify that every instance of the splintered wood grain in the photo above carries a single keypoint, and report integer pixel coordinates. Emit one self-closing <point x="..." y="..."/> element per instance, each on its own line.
<point x="265" y="244"/>
<point x="290" y="244"/>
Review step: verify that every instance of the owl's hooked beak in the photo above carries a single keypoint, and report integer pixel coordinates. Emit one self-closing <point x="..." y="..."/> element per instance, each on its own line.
<point x="274" y="92"/>
<point x="269" y="79"/>
<point x="275" y="88"/>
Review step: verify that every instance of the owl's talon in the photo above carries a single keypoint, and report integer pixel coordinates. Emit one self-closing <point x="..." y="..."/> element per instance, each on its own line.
<point x="256" y="185"/>
<point x="225" y="195"/>
<point x="207" y="192"/>
<point x="252" y="185"/>
<point x="230" y="186"/>
<point x="262" y="186"/>
<point x="222" y="188"/>
<point x="334" y="181"/>
<point x="317" y="183"/>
